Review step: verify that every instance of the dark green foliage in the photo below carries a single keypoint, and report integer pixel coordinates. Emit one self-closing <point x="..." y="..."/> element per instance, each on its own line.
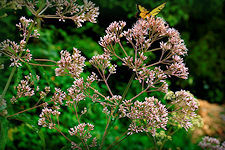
<point x="201" y="24"/>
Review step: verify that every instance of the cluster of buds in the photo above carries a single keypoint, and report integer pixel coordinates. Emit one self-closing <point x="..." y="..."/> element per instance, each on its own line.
<point x="78" y="91"/>
<point x="65" y="9"/>
<point x="70" y="65"/>
<point x="101" y="62"/>
<point x="26" y="87"/>
<point x="161" y="137"/>
<point x="154" y="78"/>
<point x="44" y="93"/>
<point x="18" y="52"/>
<point x="211" y="143"/>
<point x="185" y="106"/>
<point x="49" y="114"/>
<point x="82" y="131"/>
<point x="146" y="116"/>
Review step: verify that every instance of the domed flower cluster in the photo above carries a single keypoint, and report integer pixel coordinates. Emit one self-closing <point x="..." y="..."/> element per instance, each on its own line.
<point x="146" y="116"/>
<point x="185" y="106"/>
<point x="141" y="38"/>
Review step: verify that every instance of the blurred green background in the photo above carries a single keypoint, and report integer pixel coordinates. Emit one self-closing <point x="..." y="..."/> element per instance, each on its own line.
<point x="200" y="22"/>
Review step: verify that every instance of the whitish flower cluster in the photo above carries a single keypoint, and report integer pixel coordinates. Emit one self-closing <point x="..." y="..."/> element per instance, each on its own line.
<point x="18" y="52"/>
<point x="146" y="116"/>
<point x="141" y="37"/>
<point x="65" y="9"/>
<point x="26" y="87"/>
<point x="82" y="131"/>
<point x="71" y="65"/>
<point x="185" y="106"/>
<point x="49" y="114"/>
<point x="211" y="143"/>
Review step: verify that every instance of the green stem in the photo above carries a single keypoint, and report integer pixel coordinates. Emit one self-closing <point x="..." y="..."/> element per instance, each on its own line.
<point x="105" y="132"/>
<point x="111" y="122"/>
<point x="8" y="82"/>
<point x="128" y="86"/>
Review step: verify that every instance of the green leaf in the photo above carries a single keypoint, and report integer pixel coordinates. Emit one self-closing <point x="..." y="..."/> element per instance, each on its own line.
<point x="32" y="125"/>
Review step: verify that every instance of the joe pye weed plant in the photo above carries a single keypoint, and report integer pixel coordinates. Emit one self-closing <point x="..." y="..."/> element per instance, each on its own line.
<point x="150" y="49"/>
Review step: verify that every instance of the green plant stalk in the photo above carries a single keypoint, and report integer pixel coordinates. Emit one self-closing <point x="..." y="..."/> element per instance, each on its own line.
<point x="112" y="121"/>
<point x="105" y="132"/>
<point x="170" y="134"/>
<point x="8" y="82"/>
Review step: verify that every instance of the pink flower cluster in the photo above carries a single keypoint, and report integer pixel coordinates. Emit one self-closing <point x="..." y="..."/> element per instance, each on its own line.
<point x="146" y="116"/>
<point x="18" y="52"/>
<point x="44" y="93"/>
<point x="77" y="91"/>
<point x="141" y="37"/>
<point x="102" y="62"/>
<point x="47" y="115"/>
<point x="13" y="50"/>
<point x="211" y="143"/>
<point x="64" y="10"/>
<point x="25" y="88"/>
<point x="70" y="64"/>
<point x="24" y="26"/>
<point x="82" y="131"/>
<point x="154" y="78"/>
<point x="87" y="12"/>
<point x="113" y="34"/>
<point x="75" y="12"/>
